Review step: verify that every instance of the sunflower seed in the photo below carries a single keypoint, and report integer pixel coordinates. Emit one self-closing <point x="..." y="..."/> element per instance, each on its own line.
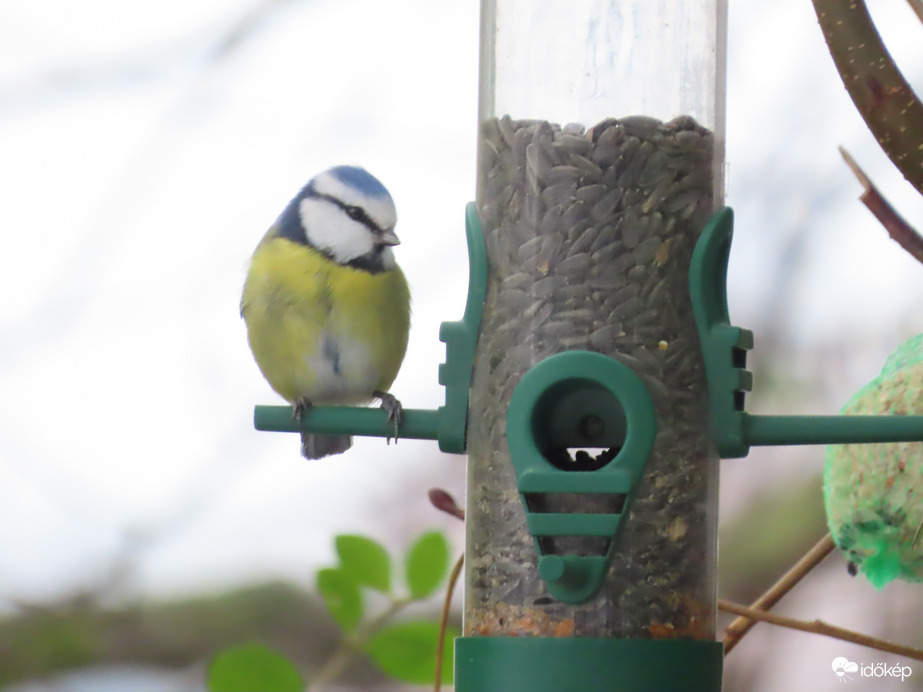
<point x="646" y="250"/>
<point x="520" y="280"/>
<point x="642" y="126"/>
<point x="547" y="286"/>
<point x="626" y="309"/>
<point x="591" y="172"/>
<point x="564" y="174"/>
<point x="610" y="132"/>
<point x="609" y="282"/>
<point x="538" y="163"/>
<point x="608" y="252"/>
<point x="531" y="247"/>
<point x="556" y="328"/>
<point x="575" y="265"/>
<point x="589" y="233"/>
<point x="583" y="238"/>
<point x="591" y="193"/>
<point x="515" y="299"/>
<point x="604" y="208"/>
<point x="604" y="155"/>
<point x="559" y="193"/>
<point x="569" y="342"/>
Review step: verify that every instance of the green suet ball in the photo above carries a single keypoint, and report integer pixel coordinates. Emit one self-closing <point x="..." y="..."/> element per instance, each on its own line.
<point x="873" y="493"/>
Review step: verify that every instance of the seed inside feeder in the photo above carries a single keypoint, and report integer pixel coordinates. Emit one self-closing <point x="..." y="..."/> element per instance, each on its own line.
<point x="589" y="233"/>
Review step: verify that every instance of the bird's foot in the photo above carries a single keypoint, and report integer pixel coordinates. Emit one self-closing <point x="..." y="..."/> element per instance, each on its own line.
<point x="300" y="408"/>
<point x="395" y="411"/>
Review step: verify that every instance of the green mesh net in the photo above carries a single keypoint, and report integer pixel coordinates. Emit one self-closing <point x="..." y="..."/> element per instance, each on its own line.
<point x="874" y="492"/>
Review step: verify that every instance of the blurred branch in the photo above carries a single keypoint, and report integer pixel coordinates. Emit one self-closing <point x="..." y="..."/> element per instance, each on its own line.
<point x="882" y="96"/>
<point x="899" y="230"/>
<point x="353" y="645"/>
<point x="444" y="502"/>
<point x="76" y="76"/>
<point x="748" y="567"/>
<point x="917" y="6"/>
<point x="54" y="315"/>
<point x="444" y="620"/>
<point x="245" y="26"/>
<point x="819" y="627"/>
<point x="47" y="640"/>
<point x="739" y="627"/>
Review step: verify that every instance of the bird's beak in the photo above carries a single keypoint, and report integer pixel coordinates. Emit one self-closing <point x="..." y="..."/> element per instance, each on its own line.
<point x="387" y="237"/>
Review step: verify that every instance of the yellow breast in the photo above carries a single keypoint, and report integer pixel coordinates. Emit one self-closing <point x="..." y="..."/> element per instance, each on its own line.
<point x="320" y="330"/>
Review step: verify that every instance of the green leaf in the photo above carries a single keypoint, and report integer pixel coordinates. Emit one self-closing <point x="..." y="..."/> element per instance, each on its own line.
<point x="341" y="596"/>
<point x="427" y="563"/>
<point x="407" y="652"/>
<point x="366" y="561"/>
<point x="253" y="668"/>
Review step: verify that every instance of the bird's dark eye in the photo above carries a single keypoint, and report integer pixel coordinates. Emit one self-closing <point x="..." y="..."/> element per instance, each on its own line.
<point x="354" y="213"/>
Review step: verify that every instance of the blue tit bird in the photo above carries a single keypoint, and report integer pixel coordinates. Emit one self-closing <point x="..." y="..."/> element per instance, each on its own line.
<point x="326" y="306"/>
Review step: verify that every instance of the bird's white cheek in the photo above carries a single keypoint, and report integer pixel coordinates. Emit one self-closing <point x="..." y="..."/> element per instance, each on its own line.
<point x="329" y="229"/>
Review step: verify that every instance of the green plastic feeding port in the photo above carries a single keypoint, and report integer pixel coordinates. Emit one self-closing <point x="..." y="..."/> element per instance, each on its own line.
<point x="580" y="427"/>
<point x="725" y="347"/>
<point x="448" y="423"/>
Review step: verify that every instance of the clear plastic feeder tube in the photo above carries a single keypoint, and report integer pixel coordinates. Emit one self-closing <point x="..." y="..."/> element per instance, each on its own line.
<point x="601" y="157"/>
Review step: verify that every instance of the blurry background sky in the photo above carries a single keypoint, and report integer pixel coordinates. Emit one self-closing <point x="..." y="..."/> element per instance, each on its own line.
<point x="144" y="149"/>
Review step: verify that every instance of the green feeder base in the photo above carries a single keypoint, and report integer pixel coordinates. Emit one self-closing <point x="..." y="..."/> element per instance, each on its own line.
<point x="548" y="664"/>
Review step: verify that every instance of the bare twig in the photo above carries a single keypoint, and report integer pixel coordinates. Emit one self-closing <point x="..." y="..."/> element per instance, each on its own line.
<point x="819" y="627"/>
<point x="882" y="96"/>
<point x="917" y="6"/>
<point x="739" y="627"/>
<point x="444" y="502"/>
<point x="444" y="621"/>
<point x="899" y="230"/>
<point x="353" y="644"/>
<point x="916" y="536"/>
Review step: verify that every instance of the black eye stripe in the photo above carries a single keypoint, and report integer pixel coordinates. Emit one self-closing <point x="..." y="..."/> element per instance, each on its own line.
<point x="353" y="212"/>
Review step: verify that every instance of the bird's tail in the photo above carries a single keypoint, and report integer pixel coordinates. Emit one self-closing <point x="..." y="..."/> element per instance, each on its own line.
<point x="320" y="446"/>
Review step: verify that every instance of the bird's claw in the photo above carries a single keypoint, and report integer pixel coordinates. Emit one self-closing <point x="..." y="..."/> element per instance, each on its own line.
<point x="395" y="411"/>
<point x="300" y="408"/>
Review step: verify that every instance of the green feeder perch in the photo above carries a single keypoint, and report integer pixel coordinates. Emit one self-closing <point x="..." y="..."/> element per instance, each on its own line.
<point x="725" y="350"/>
<point x="873" y="477"/>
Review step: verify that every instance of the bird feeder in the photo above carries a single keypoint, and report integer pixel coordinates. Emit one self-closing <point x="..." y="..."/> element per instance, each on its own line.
<point x="592" y="478"/>
<point x="595" y="379"/>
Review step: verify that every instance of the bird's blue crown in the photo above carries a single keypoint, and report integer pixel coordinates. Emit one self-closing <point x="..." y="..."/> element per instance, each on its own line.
<point x="359" y="179"/>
